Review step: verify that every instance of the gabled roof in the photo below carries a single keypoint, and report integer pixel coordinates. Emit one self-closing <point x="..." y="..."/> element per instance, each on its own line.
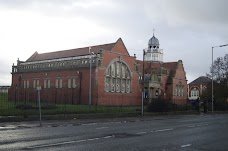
<point x="201" y="80"/>
<point x="170" y="65"/>
<point x="69" y="53"/>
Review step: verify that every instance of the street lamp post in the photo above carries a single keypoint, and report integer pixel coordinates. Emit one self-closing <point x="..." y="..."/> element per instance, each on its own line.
<point x="90" y="75"/>
<point x="212" y="77"/>
<point x="143" y="84"/>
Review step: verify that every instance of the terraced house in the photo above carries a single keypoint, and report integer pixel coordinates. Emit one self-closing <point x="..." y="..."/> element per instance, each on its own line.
<point x="99" y="75"/>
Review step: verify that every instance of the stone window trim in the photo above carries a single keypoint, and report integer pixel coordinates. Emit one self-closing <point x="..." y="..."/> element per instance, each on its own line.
<point x="36" y="82"/>
<point x="47" y="83"/>
<point x="71" y="82"/>
<point x="194" y="92"/>
<point x="26" y="84"/>
<point x="122" y="61"/>
<point x="114" y="80"/>
<point x="179" y="90"/>
<point x="58" y="82"/>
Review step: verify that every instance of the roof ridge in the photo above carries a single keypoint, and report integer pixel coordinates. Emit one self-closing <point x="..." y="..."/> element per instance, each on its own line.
<point x="76" y="48"/>
<point x="70" y="52"/>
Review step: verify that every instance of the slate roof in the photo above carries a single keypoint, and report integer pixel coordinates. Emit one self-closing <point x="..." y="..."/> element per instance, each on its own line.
<point x="69" y="53"/>
<point x="201" y="80"/>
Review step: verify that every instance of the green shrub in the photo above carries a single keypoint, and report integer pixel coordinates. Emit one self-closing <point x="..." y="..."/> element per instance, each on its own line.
<point x="220" y="105"/>
<point x="159" y="105"/>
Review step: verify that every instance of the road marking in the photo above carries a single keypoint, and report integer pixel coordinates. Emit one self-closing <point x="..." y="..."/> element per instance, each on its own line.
<point x="151" y="131"/>
<point x="90" y="124"/>
<point x="118" y="122"/>
<point x="110" y="136"/>
<point x="82" y="140"/>
<point x="222" y="122"/>
<point x="49" y="145"/>
<point x="98" y="128"/>
<point x="141" y="133"/>
<point x="92" y="139"/>
<point x="191" y="126"/>
<point x="162" y="130"/>
<point x="108" y="122"/>
<point x="187" y="145"/>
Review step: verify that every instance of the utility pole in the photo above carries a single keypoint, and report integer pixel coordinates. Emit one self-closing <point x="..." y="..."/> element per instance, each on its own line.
<point x="143" y="84"/>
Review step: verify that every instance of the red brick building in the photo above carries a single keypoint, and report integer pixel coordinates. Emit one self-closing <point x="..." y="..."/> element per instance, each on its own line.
<point x="116" y="77"/>
<point x="197" y="87"/>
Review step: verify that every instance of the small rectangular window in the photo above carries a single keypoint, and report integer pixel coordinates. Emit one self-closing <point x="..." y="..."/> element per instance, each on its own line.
<point x="49" y="83"/>
<point x="45" y="83"/>
<point x="27" y="83"/>
<point x="34" y="83"/>
<point x="24" y="84"/>
<point x="56" y="83"/>
<point x="74" y="83"/>
<point x="60" y="83"/>
<point x="69" y="83"/>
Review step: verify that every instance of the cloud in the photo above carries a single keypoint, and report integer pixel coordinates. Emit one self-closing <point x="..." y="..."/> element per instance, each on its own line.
<point x="186" y="29"/>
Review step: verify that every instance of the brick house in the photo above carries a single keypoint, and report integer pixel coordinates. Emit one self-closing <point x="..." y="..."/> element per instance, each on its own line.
<point x="197" y="87"/>
<point x="116" y="77"/>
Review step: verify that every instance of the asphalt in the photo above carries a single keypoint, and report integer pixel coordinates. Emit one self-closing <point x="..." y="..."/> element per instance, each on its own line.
<point x="17" y="122"/>
<point x="161" y="132"/>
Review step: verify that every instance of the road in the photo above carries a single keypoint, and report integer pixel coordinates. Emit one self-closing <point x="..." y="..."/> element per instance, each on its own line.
<point x="161" y="133"/>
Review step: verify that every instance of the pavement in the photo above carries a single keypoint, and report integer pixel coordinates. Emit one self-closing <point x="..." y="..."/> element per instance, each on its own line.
<point x="196" y="132"/>
<point x="18" y="122"/>
<point x="11" y="123"/>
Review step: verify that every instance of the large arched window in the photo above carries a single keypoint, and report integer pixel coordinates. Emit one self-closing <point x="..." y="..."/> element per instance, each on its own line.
<point x="118" y="77"/>
<point x="194" y="92"/>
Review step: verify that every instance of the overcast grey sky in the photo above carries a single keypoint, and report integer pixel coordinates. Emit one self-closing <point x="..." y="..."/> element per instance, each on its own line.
<point x="186" y="29"/>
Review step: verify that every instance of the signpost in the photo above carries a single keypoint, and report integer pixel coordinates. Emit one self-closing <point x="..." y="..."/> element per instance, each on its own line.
<point x="38" y="88"/>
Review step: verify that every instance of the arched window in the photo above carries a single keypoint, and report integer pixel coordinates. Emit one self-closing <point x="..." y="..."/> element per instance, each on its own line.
<point x="194" y="92"/>
<point x="118" y="77"/>
<point x="179" y="90"/>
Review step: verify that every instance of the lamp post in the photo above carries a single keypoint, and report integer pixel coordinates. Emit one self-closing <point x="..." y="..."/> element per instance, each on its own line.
<point x="212" y="76"/>
<point x="80" y="86"/>
<point x="90" y="75"/>
<point x="143" y="84"/>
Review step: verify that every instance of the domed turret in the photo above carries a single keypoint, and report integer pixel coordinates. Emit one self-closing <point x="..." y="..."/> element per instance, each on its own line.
<point x="153" y="52"/>
<point x="153" y="42"/>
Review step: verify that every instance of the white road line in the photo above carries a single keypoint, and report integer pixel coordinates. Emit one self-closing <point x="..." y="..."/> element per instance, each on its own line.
<point x="151" y="131"/>
<point x="92" y="139"/>
<point x="107" y="123"/>
<point x="63" y="143"/>
<point x="98" y="128"/>
<point x="110" y="136"/>
<point x="118" y="122"/>
<point x="141" y="133"/>
<point x="187" y="145"/>
<point x="90" y="124"/>
<point x="49" y="145"/>
<point x="162" y="130"/>
<point x="222" y="122"/>
<point x="191" y="126"/>
<point x="82" y="140"/>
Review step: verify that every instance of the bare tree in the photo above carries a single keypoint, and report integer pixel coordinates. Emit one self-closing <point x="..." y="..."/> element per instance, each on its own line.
<point x="220" y="69"/>
<point x="220" y="76"/>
